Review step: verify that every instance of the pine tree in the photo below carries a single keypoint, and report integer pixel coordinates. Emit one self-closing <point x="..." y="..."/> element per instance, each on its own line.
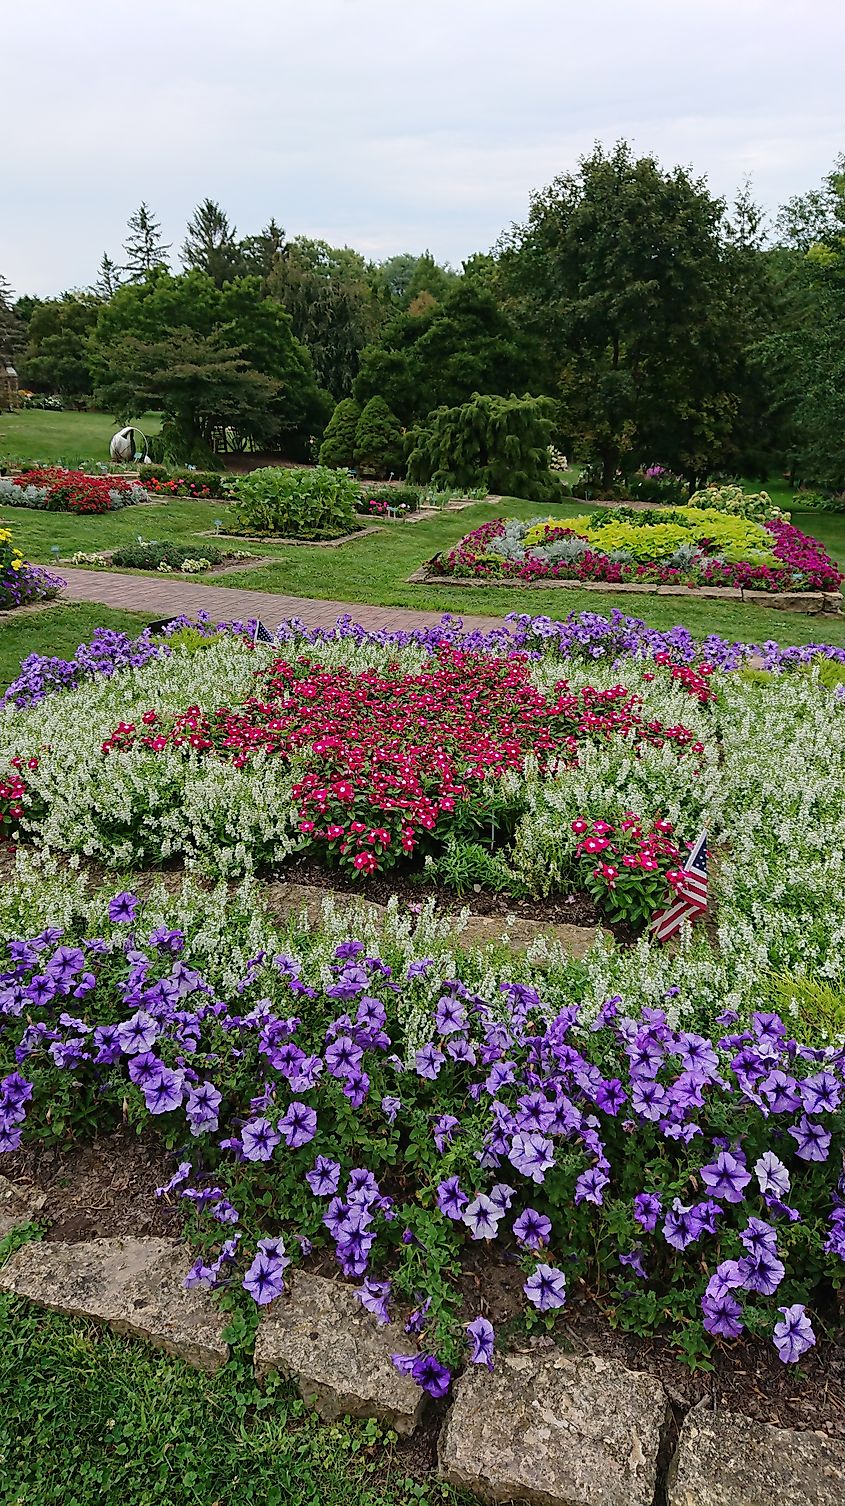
<point x="108" y="279"/>
<point x="143" y="246"/>
<point x="500" y="443"/>
<point x="338" y="447"/>
<point x="11" y="332"/>
<point x="211" y="245"/>
<point x="378" y="440"/>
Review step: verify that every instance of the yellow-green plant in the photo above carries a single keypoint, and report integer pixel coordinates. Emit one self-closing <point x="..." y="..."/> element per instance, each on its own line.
<point x="732" y="499"/>
<point x="818" y="1005"/>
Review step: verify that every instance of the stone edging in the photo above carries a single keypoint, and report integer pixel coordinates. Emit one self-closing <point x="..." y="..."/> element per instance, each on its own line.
<point x="249" y="538"/>
<point x="545" y="1427"/>
<point x="812" y="602"/>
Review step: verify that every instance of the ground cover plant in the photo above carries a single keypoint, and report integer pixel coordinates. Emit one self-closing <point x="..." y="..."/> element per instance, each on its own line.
<point x="691" y="546"/>
<point x="58" y="490"/>
<point x="22" y="583"/>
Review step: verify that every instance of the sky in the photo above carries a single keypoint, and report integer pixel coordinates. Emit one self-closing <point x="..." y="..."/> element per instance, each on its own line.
<point x="388" y="125"/>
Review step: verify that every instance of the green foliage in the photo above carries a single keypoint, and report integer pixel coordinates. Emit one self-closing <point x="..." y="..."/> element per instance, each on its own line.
<point x="819" y="1005"/>
<point x="500" y="443"/>
<point x="149" y="556"/>
<point x="338" y="447"/>
<point x="326" y="290"/>
<point x="737" y="502"/>
<point x="465" y="865"/>
<point x="820" y="501"/>
<point x="55" y="358"/>
<point x="441" y="356"/>
<point x="379" y="446"/>
<point x="297" y="504"/>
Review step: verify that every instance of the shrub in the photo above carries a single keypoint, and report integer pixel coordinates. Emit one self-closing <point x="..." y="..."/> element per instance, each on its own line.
<point x="379" y="446"/>
<point x="819" y="501"/>
<point x="733" y="499"/>
<point x="297" y="504"/>
<point x="200" y="484"/>
<point x="657" y="484"/>
<point x="500" y="443"/>
<point x="151" y="556"/>
<point x="338" y="447"/>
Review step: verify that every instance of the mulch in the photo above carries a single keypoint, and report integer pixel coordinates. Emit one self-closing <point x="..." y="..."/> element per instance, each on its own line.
<point x="107" y="1187"/>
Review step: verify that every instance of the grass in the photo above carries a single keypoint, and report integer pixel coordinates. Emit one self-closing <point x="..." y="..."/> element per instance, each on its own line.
<point x="56" y="631"/>
<point x="34" y="434"/>
<point x="88" y="1417"/>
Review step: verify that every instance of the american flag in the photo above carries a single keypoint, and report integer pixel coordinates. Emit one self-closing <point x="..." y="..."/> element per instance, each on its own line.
<point x="261" y="634"/>
<point x="690" y="894"/>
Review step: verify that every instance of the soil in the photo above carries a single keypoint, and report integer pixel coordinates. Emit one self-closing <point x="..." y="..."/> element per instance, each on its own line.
<point x="107" y="1188"/>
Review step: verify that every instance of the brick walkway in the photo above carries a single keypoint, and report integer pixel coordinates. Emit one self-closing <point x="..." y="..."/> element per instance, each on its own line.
<point x="171" y="598"/>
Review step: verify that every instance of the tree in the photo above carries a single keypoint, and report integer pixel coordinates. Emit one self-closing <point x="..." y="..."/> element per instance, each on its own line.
<point x="10" y="324"/>
<point x="500" y="443"/>
<point x="108" y="278"/>
<point x="403" y="277"/>
<point x="338" y="447"/>
<point x="56" y="357"/>
<point x="379" y="447"/>
<point x="444" y="353"/>
<point x="214" y="339"/>
<point x="622" y="273"/>
<point x="262" y="253"/>
<point x="211" y="246"/>
<point x="143" y="247"/>
<point x="326" y="291"/>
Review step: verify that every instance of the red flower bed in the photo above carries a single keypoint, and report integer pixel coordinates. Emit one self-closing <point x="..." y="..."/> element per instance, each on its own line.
<point x="12" y="791"/>
<point x="74" y="491"/>
<point x="387" y="759"/>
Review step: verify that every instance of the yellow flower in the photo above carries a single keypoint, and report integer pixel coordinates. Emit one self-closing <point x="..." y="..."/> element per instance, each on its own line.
<point x="16" y="564"/>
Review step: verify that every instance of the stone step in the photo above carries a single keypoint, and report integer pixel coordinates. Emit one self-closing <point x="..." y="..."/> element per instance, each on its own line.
<point x="133" y="1285"/>
<point x="724" y="1459"/>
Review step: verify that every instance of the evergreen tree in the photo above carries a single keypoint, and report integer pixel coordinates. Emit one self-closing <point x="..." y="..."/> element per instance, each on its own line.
<point x="143" y="247"/>
<point x="500" y="443"/>
<point x="211" y="245"/>
<point x="108" y="278"/>
<point x="379" y="448"/>
<point x="338" y="447"/>
<point x="262" y="253"/>
<point x="11" y="330"/>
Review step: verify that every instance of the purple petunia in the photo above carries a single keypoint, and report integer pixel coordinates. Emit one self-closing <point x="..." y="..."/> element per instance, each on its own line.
<point x="482" y="1216"/>
<point x="482" y="1337"/>
<point x="373" y="1296"/>
<point x="647" y="1210"/>
<point x="297" y="1125"/>
<point x="532" y="1154"/>
<point x="324" y="1176"/>
<point x="259" y="1139"/>
<point x="793" y="1335"/>
<point x="546" y="1288"/>
<point x="264" y="1280"/>
<point x="727" y="1177"/>
<point x="428" y="1062"/>
<point x="532" y="1229"/>
<point x="122" y="908"/>
<point x="812" y="1139"/>
<point x="451" y="1200"/>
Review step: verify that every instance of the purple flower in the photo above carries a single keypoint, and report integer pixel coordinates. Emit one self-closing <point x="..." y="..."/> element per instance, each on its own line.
<point x="682" y="1225"/>
<point x="482" y="1217"/>
<point x="546" y="1287"/>
<point x="431" y="1376"/>
<point x="634" y="1260"/>
<point x="771" y="1175"/>
<point x="204" y="1100"/>
<point x="164" y="1094"/>
<point x="390" y="1108"/>
<point x="444" y="1129"/>
<point x="502" y="1195"/>
<point x="450" y="1199"/>
<point x="324" y="1176"/>
<point x="122" y="909"/>
<point x="180" y="1175"/>
<point x="722" y="1314"/>
<point x="416" y="1322"/>
<point x="589" y="1188"/>
<point x="373" y="1296"/>
<point x="726" y="1177"/>
<point x="429" y="1061"/>
<point x="647" y="1210"/>
<point x="298" y="1125"/>
<point x="812" y="1140"/>
<point x="145" y="1069"/>
<point x="356" y="1086"/>
<point x="758" y="1235"/>
<point x="259" y="1139"/>
<point x="343" y="1057"/>
<point x="793" y="1335"/>
<point x="532" y="1154"/>
<point x="449" y="1016"/>
<point x="265" y="1278"/>
<point x="137" y="1033"/>
<point x="532" y="1229"/>
<point x="762" y="1272"/>
<point x="820" y="1094"/>
<point x="482" y="1336"/>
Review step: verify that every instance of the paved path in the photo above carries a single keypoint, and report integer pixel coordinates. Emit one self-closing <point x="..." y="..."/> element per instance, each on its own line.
<point x="171" y="598"/>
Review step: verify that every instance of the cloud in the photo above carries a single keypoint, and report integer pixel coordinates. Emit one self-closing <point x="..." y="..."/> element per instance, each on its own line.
<point x="385" y="125"/>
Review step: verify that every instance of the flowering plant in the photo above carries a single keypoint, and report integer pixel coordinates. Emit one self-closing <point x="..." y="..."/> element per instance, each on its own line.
<point x="58" y="490"/>
<point x="680" y="1174"/>
<point x="21" y="583"/>
<point x="629" y="872"/>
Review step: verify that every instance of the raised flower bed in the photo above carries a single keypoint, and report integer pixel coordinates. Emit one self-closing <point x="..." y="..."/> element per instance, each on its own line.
<point x="689" y="548"/>
<point x="55" y="490"/>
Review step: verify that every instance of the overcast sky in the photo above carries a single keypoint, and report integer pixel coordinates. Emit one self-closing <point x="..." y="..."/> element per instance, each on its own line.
<point x="388" y="125"/>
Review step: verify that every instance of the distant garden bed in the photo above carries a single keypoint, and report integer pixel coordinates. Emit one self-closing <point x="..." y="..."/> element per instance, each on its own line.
<point x="52" y="489"/>
<point x="692" y="547"/>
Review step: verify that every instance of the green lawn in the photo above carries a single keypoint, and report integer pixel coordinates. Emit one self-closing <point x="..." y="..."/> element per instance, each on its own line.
<point x="31" y="434"/>
<point x="87" y="1417"/>
<point x="56" y="631"/>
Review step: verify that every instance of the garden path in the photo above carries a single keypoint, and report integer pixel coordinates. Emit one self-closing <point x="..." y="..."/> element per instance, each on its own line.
<point x="169" y="597"/>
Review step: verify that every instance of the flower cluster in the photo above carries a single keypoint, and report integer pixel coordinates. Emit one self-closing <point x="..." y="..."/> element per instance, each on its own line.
<point x="21" y="583"/>
<point x="384" y="760"/>
<point x="58" y="490"/>
<point x="640" y="1157"/>
<point x="630" y="872"/>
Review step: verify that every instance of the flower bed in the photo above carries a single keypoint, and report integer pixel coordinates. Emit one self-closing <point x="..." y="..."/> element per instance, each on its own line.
<point x="688" y="546"/>
<point x="57" y="490"/>
<point x="20" y="583"/>
<point x="680" y="1161"/>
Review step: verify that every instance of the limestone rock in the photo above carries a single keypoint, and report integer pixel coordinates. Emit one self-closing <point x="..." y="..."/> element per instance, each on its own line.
<point x="321" y="1337"/>
<point x="555" y="1430"/>
<point x="724" y="1459"/>
<point x="134" y="1285"/>
<point x="18" y="1206"/>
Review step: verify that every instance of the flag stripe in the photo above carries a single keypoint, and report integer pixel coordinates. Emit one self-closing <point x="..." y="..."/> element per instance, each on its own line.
<point x="691" y="894"/>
